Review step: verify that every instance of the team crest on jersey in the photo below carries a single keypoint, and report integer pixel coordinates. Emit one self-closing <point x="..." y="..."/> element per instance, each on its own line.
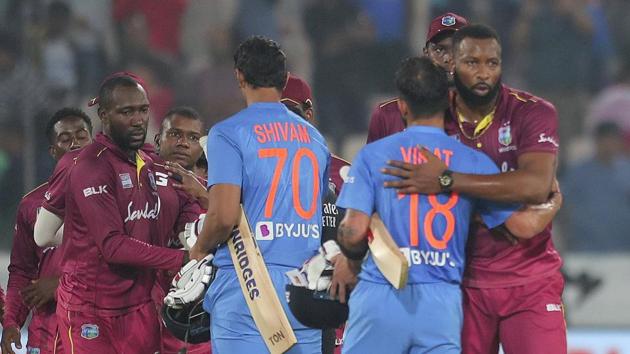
<point x="152" y="181"/>
<point x="89" y="331"/>
<point x="505" y="136"/>
<point x="125" y="180"/>
<point x="448" y="20"/>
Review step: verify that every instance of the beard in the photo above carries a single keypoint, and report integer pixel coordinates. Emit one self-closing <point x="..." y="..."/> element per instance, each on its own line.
<point x="125" y="140"/>
<point x="471" y="98"/>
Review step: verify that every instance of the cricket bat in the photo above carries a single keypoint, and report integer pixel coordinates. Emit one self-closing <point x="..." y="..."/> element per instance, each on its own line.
<point x="258" y="290"/>
<point x="386" y="254"/>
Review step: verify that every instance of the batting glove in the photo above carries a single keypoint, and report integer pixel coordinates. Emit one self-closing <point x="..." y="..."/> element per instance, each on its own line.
<point x="190" y="283"/>
<point x="188" y="237"/>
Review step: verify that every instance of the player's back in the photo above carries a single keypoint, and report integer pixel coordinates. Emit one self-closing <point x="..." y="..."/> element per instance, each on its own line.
<point x="431" y="230"/>
<point x="283" y="162"/>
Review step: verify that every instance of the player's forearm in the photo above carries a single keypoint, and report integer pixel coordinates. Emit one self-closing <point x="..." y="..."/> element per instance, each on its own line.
<point x="532" y="220"/>
<point x="352" y="242"/>
<point x="215" y="230"/>
<point x="15" y="311"/>
<point x="46" y="229"/>
<point x="510" y="187"/>
<point x="122" y="249"/>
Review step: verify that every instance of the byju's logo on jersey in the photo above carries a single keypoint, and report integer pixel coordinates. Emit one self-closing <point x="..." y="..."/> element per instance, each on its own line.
<point x="89" y="331"/>
<point x="264" y="230"/>
<point x="268" y="230"/>
<point x="505" y="136"/>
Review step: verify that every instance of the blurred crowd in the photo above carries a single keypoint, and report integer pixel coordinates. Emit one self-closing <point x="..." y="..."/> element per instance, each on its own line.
<point x="575" y="53"/>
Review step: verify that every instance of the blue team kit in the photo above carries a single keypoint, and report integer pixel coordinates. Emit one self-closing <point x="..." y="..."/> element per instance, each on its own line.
<point x="431" y="231"/>
<point x="279" y="161"/>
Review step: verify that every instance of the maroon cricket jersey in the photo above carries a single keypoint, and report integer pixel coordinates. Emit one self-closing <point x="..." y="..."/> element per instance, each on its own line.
<point x="338" y="169"/>
<point x="112" y="208"/>
<point x="522" y="123"/>
<point x="385" y="121"/>
<point x="30" y="262"/>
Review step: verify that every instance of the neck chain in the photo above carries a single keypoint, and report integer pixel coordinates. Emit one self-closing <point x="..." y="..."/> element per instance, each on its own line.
<point x="480" y="129"/>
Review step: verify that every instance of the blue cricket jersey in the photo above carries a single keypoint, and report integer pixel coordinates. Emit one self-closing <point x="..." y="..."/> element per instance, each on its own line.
<point x="430" y="230"/>
<point x="280" y="162"/>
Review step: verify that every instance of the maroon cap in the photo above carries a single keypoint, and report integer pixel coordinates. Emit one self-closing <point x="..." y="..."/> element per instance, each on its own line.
<point x="129" y="74"/>
<point x="449" y="21"/>
<point x="297" y="91"/>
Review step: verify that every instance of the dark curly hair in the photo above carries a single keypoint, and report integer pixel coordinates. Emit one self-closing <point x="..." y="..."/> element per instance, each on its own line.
<point x="262" y="63"/>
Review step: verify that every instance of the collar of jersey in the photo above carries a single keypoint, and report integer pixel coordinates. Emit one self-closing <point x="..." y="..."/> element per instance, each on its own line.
<point x="426" y="129"/>
<point x="109" y="144"/>
<point x="266" y="104"/>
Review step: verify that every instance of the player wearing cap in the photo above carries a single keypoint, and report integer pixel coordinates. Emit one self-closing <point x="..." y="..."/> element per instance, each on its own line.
<point x="34" y="271"/>
<point x="386" y="118"/>
<point x="426" y="315"/>
<point x="111" y="208"/>
<point x="298" y="98"/>
<point x="513" y="292"/>
<point x="273" y="162"/>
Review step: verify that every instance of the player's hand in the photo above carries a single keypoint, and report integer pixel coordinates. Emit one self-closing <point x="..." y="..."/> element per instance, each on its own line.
<point x="416" y="178"/>
<point x="187" y="180"/>
<point x="344" y="277"/>
<point x="40" y="292"/>
<point x="10" y="336"/>
<point x="197" y="253"/>
<point x="190" y="282"/>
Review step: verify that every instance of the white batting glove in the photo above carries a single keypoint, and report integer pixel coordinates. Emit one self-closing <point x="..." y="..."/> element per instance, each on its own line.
<point x="190" y="282"/>
<point x="188" y="237"/>
<point x="315" y="267"/>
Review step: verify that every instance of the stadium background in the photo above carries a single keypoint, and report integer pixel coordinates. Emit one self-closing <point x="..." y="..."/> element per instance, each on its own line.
<point x="575" y="53"/>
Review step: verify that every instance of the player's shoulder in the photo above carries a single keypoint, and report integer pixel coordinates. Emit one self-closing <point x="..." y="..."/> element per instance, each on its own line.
<point x="337" y="161"/>
<point x="389" y="104"/>
<point x="388" y="108"/>
<point x="527" y="102"/>
<point x="36" y="193"/>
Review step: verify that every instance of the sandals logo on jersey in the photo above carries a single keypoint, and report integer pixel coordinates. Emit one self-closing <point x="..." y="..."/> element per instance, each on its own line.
<point x="146" y="213"/>
<point x="268" y="230"/>
<point x="505" y="136"/>
<point x="89" y="331"/>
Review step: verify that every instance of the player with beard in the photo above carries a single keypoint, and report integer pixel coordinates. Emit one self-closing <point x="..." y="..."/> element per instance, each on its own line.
<point x="34" y="271"/>
<point x="386" y="118"/>
<point x="512" y="289"/>
<point x="112" y="204"/>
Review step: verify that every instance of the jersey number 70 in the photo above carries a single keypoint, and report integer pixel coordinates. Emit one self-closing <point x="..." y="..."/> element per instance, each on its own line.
<point x="282" y="154"/>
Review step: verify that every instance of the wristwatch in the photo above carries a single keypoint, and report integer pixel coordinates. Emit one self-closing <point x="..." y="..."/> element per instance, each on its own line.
<point x="446" y="180"/>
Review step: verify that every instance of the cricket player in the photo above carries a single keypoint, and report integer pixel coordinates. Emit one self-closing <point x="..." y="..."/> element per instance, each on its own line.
<point x="110" y="228"/>
<point x="297" y="96"/>
<point x="431" y="230"/>
<point x="34" y="271"/>
<point x="513" y="292"/>
<point x="178" y="142"/>
<point x="386" y="118"/>
<point x="274" y="163"/>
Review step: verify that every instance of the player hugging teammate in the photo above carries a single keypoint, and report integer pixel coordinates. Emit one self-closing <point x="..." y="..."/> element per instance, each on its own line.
<point x="262" y="266"/>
